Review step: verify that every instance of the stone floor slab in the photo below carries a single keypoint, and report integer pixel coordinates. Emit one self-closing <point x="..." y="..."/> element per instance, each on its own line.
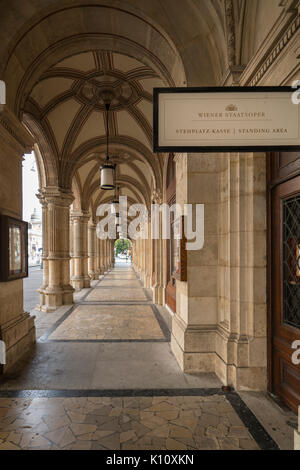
<point x="113" y="322"/>
<point x="116" y="294"/>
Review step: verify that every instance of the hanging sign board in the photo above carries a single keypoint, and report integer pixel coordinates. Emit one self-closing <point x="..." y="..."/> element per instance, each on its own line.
<point x="226" y="119"/>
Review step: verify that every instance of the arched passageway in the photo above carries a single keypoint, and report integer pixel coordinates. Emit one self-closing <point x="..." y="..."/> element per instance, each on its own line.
<point x="201" y="332"/>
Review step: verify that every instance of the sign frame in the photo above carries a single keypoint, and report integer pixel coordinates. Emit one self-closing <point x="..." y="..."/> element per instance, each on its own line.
<point x="216" y="149"/>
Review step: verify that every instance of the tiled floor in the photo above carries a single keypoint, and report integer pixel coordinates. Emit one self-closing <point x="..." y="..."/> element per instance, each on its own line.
<point x="158" y="423"/>
<point x="103" y="376"/>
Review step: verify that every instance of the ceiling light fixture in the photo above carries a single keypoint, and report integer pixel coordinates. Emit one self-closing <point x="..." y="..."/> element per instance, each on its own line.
<point x="107" y="170"/>
<point x="115" y="203"/>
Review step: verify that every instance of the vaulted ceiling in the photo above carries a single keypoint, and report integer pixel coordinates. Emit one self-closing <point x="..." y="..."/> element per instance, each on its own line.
<point x="68" y="106"/>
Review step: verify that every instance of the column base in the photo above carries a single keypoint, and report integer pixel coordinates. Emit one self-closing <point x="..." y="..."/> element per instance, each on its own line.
<point x="148" y="281"/>
<point x="202" y="348"/>
<point x="158" y="295"/>
<point x="19" y="336"/>
<point x="93" y="275"/>
<point x="53" y="298"/>
<point x="80" y="282"/>
<point x="193" y="347"/>
<point x="240" y="361"/>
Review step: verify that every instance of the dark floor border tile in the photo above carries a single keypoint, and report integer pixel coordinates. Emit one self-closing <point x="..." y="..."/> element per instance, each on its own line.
<point x="255" y="428"/>
<point x="169" y="392"/>
<point x="146" y="340"/>
<point x="163" y="326"/>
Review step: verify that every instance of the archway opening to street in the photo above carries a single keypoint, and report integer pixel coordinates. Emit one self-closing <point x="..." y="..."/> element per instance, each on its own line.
<point x="33" y="215"/>
<point x="123" y="251"/>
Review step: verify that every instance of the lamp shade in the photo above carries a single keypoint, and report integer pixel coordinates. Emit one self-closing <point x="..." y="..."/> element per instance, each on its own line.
<point x="107" y="171"/>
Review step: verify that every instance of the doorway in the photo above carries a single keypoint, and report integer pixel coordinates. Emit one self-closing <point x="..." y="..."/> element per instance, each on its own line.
<point x="284" y="276"/>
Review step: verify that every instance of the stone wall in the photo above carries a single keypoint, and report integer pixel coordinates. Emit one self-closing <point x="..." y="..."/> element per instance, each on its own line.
<point x="16" y="326"/>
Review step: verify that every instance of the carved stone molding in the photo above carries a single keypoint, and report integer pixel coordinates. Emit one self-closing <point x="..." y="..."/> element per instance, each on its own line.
<point x="157" y="197"/>
<point x="230" y="32"/>
<point x="13" y="133"/>
<point x="253" y="74"/>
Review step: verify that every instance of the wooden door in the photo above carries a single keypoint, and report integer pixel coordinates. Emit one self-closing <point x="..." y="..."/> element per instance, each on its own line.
<point x="284" y="274"/>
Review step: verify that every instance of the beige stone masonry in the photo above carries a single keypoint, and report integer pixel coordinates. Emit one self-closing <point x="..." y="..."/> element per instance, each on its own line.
<point x="16" y="326"/>
<point x="80" y="278"/>
<point x="56" y="289"/>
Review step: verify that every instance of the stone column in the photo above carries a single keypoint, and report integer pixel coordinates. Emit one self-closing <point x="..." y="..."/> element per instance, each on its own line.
<point x="148" y="248"/>
<point x="80" y="278"/>
<point x="106" y="255"/>
<point x="71" y="249"/>
<point x="57" y="242"/>
<point x="109" y="254"/>
<point x="45" y="252"/>
<point x="113" y="253"/>
<point x="101" y="257"/>
<point x="97" y="258"/>
<point x="92" y="250"/>
<point x="194" y="324"/>
<point x="16" y="326"/>
<point x="158" y="287"/>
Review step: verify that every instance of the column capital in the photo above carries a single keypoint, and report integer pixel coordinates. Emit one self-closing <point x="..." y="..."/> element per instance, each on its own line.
<point x="55" y="195"/>
<point x="157" y="197"/>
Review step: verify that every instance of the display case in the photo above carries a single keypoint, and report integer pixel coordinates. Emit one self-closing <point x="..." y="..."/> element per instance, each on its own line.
<point x="13" y="249"/>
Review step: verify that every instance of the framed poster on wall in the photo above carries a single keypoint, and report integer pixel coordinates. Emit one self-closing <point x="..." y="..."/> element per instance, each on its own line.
<point x="13" y="248"/>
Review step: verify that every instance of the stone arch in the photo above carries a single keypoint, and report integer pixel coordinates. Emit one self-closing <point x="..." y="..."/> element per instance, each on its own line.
<point x="117" y="144"/>
<point x="46" y="162"/>
<point x="121" y="31"/>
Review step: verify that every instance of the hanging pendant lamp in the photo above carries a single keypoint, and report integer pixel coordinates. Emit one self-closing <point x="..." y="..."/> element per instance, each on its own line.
<point x="115" y="203"/>
<point x="107" y="170"/>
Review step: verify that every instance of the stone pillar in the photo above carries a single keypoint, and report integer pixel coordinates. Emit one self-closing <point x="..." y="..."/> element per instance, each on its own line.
<point x="80" y="278"/>
<point x="104" y="260"/>
<point x="56" y="238"/>
<point x="113" y="252"/>
<point x="148" y="248"/>
<point x="45" y="253"/>
<point x="16" y="326"/>
<point x="241" y="339"/>
<point x="97" y="258"/>
<point x="109" y="254"/>
<point x="158" y="286"/>
<point x="194" y="324"/>
<point x="101" y="256"/>
<point x="71" y="248"/>
<point x="220" y="320"/>
<point x="92" y="251"/>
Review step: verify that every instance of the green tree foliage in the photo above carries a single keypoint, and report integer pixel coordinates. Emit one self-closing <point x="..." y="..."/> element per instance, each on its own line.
<point x="122" y="246"/>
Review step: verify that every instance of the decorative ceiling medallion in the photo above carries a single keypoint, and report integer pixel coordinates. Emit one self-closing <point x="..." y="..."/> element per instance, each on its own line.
<point x="92" y="91"/>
